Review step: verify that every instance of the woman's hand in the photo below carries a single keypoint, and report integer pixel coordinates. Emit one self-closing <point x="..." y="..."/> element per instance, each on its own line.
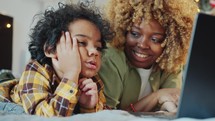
<point x="168" y="99"/>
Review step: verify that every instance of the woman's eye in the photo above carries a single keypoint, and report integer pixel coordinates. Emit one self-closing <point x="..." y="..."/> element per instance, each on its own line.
<point x="135" y="34"/>
<point x="157" y="40"/>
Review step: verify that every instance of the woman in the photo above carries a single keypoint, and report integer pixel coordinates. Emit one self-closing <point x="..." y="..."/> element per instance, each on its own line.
<point x="142" y="69"/>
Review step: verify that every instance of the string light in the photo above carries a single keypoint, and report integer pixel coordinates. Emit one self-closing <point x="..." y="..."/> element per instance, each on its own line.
<point x="8" y="25"/>
<point x="197" y="1"/>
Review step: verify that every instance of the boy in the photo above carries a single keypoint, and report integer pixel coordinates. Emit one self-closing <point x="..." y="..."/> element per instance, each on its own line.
<point x="61" y="78"/>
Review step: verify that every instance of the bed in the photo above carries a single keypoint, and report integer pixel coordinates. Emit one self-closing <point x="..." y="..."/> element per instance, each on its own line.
<point x="15" y="112"/>
<point x="105" y="115"/>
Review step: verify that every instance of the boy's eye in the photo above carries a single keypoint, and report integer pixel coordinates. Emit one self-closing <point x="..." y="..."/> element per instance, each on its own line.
<point x="82" y="43"/>
<point x="99" y="49"/>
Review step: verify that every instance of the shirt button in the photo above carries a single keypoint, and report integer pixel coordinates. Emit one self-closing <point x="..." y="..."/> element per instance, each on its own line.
<point x="71" y="91"/>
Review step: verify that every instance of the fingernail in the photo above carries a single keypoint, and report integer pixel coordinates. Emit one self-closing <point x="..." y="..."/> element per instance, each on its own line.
<point x="67" y="32"/>
<point x="74" y="38"/>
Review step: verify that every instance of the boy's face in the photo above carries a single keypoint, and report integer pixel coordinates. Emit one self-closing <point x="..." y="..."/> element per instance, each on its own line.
<point x="89" y="44"/>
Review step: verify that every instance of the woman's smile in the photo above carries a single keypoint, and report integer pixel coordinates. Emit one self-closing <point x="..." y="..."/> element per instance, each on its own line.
<point x="141" y="55"/>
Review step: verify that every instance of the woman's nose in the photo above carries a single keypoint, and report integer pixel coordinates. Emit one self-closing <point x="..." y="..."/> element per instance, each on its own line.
<point x="143" y="43"/>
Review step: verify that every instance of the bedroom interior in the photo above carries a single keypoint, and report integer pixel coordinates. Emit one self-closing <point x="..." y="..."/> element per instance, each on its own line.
<point x="18" y="15"/>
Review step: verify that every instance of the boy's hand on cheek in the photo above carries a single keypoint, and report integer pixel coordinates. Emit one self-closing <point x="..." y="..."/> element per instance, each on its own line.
<point x="68" y="56"/>
<point x="89" y="94"/>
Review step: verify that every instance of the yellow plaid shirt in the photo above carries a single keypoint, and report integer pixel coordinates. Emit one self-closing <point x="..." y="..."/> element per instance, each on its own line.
<point x="41" y="92"/>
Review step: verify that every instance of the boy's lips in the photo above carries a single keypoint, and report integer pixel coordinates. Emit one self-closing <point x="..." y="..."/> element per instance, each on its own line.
<point x="91" y="65"/>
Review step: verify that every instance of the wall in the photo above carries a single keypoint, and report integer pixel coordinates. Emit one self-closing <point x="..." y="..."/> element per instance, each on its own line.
<point x="23" y="11"/>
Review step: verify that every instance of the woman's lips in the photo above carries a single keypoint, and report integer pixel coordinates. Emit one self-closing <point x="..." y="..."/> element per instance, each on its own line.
<point x="141" y="57"/>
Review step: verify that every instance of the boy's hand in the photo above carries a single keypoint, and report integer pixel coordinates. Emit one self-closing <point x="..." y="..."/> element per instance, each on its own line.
<point x="89" y="93"/>
<point x="68" y="58"/>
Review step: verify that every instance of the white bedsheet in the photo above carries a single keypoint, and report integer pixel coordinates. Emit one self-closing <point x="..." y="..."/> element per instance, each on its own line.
<point x="106" y="115"/>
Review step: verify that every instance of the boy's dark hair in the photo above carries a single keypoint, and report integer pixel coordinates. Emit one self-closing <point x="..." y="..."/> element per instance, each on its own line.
<point x="46" y="34"/>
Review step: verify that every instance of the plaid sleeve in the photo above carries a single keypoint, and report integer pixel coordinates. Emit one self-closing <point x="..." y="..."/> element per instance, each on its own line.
<point x="37" y="96"/>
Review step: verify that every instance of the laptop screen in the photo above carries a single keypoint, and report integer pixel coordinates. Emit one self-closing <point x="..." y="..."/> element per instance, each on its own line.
<point x="198" y="91"/>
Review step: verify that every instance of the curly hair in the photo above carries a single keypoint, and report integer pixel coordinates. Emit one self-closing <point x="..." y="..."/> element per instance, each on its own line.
<point x="175" y="16"/>
<point x="46" y="33"/>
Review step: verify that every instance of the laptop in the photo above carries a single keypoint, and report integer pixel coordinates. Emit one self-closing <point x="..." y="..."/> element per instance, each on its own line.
<point x="198" y="90"/>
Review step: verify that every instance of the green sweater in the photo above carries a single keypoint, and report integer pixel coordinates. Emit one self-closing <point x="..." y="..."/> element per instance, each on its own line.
<point x="122" y="82"/>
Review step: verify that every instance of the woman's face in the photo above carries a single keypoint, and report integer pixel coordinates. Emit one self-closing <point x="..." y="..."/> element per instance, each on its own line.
<point x="89" y="44"/>
<point x="143" y="43"/>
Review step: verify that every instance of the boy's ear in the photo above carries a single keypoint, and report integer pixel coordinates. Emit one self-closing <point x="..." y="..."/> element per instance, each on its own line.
<point x="50" y="55"/>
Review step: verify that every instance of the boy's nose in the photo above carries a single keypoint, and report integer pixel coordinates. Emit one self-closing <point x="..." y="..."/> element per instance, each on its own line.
<point x="93" y="51"/>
